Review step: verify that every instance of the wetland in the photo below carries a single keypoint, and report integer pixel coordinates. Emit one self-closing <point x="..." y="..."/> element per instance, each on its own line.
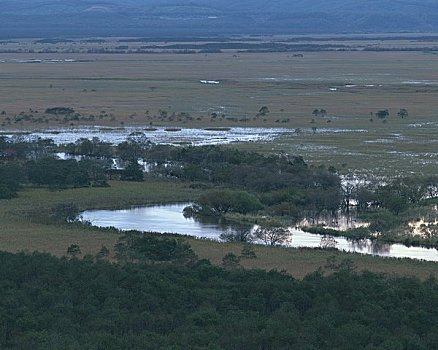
<point x="157" y="194"/>
<point x="170" y="219"/>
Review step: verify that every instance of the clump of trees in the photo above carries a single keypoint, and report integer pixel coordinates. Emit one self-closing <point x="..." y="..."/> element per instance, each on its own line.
<point x="319" y="112"/>
<point x="11" y="178"/>
<point x="138" y="247"/>
<point x="384" y="113"/>
<point x="133" y="172"/>
<point x="278" y="185"/>
<point x="403" y="113"/>
<point x="60" y="110"/>
<point x="389" y="207"/>
<point x="57" y="173"/>
<point x="219" y="202"/>
<point x="271" y="234"/>
<point x="90" y="148"/>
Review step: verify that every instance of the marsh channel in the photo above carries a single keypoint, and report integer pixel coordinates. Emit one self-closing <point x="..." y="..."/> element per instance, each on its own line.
<point x="170" y="219"/>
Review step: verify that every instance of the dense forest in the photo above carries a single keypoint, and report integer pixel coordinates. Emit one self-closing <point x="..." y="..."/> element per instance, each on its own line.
<point x="161" y="303"/>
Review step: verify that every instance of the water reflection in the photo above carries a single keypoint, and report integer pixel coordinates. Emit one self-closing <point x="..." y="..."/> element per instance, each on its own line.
<point x="170" y="219"/>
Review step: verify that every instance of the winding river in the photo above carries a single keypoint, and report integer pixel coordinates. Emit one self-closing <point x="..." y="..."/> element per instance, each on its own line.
<point x="170" y="219"/>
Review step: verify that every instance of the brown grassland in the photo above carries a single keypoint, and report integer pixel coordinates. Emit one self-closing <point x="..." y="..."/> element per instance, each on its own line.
<point x="128" y="85"/>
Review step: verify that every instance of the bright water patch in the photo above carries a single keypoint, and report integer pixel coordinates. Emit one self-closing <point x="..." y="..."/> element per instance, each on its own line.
<point x="177" y="136"/>
<point x="194" y="137"/>
<point x="170" y="219"/>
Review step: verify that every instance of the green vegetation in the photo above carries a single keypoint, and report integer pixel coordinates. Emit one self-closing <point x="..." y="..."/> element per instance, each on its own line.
<point x="137" y="247"/>
<point x="60" y="110"/>
<point x="51" y="303"/>
<point x="10" y="180"/>
<point x="220" y="202"/>
<point x="237" y="185"/>
<point x="110" y="289"/>
<point x="281" y="186"/>
<point x="29" y="223"/>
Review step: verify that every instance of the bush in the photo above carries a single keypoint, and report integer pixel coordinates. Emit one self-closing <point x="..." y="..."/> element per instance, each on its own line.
<point x="147" y="248"/>
<point x="10" y="178"/>
<point x="230" y="260"/>
<point x="60" y="110"/>
<point x="65" y="212"/>
<point x="133" y="172"/>
<point x="56" y="173"/>
<point x="74" y="250"/>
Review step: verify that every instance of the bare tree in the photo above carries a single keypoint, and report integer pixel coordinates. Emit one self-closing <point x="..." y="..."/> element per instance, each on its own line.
<point x="328" y="242"/>
<point x="403" y="113"/>
<point x="272" y="235"/>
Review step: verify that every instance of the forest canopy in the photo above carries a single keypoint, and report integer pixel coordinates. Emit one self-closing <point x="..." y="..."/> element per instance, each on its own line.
<point x="52" y="303"/>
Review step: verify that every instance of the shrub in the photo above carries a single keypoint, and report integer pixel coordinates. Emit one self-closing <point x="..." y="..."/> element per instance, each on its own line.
<point x="146" y="248"/>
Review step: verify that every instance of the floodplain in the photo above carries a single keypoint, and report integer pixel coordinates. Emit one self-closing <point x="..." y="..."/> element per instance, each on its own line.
<point x="165" y="87"/>
<point x="323" y="100"/>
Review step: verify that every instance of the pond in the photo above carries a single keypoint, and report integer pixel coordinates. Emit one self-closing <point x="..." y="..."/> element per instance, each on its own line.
<point x="170" y="219"/>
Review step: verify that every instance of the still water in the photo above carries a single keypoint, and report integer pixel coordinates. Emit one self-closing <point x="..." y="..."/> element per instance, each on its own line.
<point x="170" y="219"/>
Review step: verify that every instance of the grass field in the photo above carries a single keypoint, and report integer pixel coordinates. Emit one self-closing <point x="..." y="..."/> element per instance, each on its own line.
<point x="129" y="85"/>
<point x="25" y="227"/>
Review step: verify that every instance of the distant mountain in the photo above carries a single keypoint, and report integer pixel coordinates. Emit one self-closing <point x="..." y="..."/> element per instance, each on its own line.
<point x="50" y="18"/>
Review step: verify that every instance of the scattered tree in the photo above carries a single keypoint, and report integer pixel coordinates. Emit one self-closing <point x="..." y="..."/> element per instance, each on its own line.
<point x="272" y="235"/>
<point x="263" y="111"/>
<point x="74" y="250"/>
<point x="403" y="113"/>
<point x="382" y="114"/>
<point x="319" y="112"/>
<point x="133" y="172"/>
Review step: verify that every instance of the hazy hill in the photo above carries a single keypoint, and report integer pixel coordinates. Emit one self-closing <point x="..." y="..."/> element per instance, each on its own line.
<point x="163" y="17"/>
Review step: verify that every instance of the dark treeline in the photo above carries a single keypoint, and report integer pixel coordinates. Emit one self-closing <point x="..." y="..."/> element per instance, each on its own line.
<point x="270" y="46"/>
<point x="283" y="184"/>
<point x="34" y="163"/>
<point x="51" y="303"/>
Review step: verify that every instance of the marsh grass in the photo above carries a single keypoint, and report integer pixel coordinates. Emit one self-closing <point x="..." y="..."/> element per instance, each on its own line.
<point x="300" y="262"/>
<point x="26" y="224"/>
